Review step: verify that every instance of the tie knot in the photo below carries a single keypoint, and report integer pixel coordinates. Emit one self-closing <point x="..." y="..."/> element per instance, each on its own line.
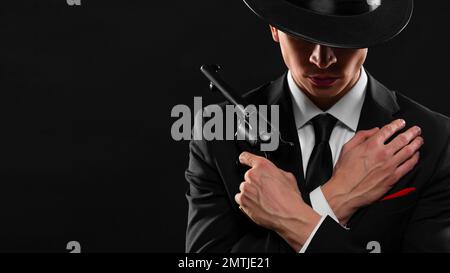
<point x="323" y="126"/>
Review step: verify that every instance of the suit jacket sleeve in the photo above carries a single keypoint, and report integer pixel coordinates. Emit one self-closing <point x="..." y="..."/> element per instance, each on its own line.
<point x="429" y="229"/>
<point x="214" y="222"/>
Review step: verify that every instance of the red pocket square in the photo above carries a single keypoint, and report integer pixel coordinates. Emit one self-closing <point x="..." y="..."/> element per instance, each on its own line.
<point x="399" y="194"/>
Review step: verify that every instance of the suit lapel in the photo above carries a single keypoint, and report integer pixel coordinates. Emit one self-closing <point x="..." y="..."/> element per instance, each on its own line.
<point x="379" y="106"/>
<point x="379" y="109"/>
<point x="288" y="156"/>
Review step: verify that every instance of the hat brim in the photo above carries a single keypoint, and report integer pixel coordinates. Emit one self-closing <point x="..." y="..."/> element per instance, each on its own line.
<point x="356" y="31"/>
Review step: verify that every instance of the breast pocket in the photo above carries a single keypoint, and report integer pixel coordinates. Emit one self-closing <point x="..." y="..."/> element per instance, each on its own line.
<point x="396" y="205"/>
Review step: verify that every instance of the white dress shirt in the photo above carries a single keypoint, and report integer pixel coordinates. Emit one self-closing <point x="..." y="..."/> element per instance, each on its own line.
<point x="347" y="111"/>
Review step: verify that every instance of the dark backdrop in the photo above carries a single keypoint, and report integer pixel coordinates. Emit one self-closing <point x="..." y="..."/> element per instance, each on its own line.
<point x="86" y="94"/>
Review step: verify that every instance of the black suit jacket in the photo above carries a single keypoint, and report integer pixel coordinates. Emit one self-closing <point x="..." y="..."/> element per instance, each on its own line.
<point x="419" y="221"/>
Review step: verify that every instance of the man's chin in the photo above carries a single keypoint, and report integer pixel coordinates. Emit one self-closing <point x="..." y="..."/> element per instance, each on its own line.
<point x="324" y="92"/>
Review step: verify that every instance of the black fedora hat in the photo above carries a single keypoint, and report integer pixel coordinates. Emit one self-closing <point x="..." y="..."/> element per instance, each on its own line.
<point x="337" y="23"/>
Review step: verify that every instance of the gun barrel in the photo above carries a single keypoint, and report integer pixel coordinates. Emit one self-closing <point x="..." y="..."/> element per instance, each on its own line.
<point x="211" y="72"/>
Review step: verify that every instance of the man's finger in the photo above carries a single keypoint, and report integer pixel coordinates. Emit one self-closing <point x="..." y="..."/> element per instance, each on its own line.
<point x="248" y="190"/>
<point x="249" y="159"/>
<point x="237" y="198"/>
<point x="408" y="151"/>
<point x="389" y="130"/>
<point x="404" y="139"/>
<point x="407" y="166"/>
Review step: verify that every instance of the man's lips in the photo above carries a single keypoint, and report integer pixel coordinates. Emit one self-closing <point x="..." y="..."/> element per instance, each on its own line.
<point x="323" y="81"/>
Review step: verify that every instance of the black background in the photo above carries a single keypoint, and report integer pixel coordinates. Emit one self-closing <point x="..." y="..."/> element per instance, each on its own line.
<point x="86" y="94"/>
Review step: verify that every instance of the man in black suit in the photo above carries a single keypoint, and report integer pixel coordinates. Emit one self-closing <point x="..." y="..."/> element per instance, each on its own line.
<point x="381" y="195"/>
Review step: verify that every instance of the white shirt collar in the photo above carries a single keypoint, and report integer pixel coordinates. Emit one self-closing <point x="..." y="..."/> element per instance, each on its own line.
<point x="347" y="110"/>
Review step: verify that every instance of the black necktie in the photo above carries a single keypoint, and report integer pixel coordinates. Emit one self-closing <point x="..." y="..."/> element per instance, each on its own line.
<point x="320" y="165"/>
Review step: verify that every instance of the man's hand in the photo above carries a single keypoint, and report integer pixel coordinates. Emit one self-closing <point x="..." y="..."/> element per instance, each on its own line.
<point x="368" y="168"/>
<point x="271" y="198"/>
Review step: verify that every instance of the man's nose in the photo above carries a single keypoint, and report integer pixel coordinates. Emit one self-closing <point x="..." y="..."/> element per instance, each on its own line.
<point x="322" y="56"/>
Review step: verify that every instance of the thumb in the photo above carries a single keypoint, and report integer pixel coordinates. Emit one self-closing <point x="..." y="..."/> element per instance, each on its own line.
<point x="248" y="159"/>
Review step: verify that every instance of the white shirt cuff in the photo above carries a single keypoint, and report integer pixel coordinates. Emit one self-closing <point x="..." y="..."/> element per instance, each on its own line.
<point x="320" y="204"/>
<point x="308" y="241"/>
